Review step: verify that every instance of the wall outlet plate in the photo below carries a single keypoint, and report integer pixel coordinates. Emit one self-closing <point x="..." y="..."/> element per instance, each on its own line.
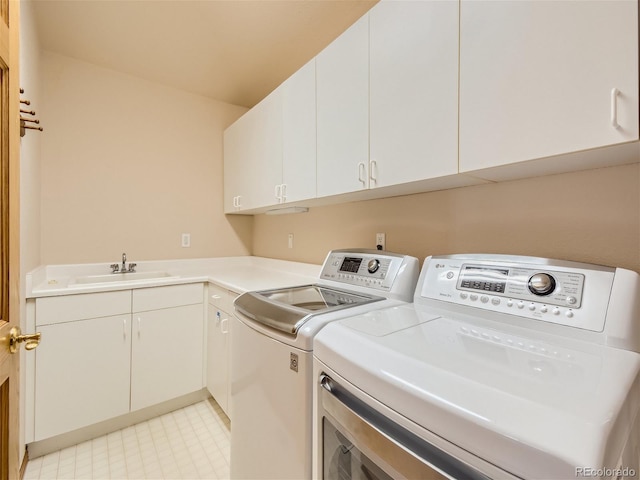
<point x="381" y="241"/>
<point x="186" y="240"/>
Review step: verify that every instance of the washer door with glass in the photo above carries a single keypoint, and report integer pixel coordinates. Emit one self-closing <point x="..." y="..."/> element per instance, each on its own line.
<point x="287" y="309"/>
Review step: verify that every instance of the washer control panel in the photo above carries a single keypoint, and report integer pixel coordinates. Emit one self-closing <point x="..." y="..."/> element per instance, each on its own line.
<point x="567" y="293"/>
<point x="375" y="270"/>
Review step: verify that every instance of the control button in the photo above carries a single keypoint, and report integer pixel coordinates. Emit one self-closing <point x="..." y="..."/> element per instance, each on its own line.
<point x="464" y="296"/>
<point x="486" y="336"/>
<point x="571" y="300"/>
<point x="532" y="307"/>
<point x="556" y="311"/>
<point x="521" y="305"/>
<point x="373" y="265"/>
<point x="542" y="284"/>
<point x="473" y="297"/>
<point x="495" y="301"/>
<point x="475" y="332"/>
<point x="544" y="309"/>
<point x="450" y="275"/>
<point x="569" y="314"/>
<point x="509" y="303"/>
<point x="464" y="329"/>
<point x="484" y="299"/>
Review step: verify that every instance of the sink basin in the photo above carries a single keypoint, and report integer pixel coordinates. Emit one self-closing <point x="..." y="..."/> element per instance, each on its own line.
<point x="118" y="277"/>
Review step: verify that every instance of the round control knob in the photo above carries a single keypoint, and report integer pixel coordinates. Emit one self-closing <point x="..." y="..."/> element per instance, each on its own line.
<point x="373" y="265"/>
<point x="542" y="284"/>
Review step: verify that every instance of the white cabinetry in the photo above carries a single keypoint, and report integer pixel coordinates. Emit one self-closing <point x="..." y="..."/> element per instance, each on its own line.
<point x="299" y="135"/>
<point x="83" y="362"/>
<point x="414" y="91"/>
<point x="253" y="156"/>
<point x="218" y="344"/>
<point x="536" y="79"/>
<point x="342" y="90"/>
<point x="167" y="343"/>
<point x="93" y="364"/>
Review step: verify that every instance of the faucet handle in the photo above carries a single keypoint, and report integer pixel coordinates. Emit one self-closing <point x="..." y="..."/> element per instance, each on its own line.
<point x="114" y="267"/>
<point x="132" y="267"/>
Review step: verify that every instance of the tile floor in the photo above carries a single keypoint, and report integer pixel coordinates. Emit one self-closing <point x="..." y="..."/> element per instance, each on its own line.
<point x="190" y="443"/>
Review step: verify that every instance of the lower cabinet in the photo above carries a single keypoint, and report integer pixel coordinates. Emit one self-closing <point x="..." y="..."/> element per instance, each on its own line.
<point x="219" y="344"/>
<point x="166" y="354"/>
<point x="82" y="374"/>
<point x="92" y="369"/>
<point x="218" y="356"/>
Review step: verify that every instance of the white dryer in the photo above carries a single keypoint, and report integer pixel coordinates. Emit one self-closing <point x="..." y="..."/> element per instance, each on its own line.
<point x="503" y="367"/>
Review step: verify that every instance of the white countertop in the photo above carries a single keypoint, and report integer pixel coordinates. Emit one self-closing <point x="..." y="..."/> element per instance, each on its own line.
<point x="239" y="274"/>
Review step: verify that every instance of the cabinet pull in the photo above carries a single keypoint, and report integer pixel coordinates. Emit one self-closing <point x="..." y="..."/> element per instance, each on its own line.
<point x="373" y="171"/>
<point x="362" y="173"/>
<point x="124" y="328"/>
<point x="139" y="326"/>
<point x="223" y="322"/>
<point x="278" y="193"/>
<point x="614" y="108"/>
<point x="216" y="297"/>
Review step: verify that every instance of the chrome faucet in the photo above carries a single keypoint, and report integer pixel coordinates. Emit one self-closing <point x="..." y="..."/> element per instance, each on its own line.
<point x="115" y="268"/>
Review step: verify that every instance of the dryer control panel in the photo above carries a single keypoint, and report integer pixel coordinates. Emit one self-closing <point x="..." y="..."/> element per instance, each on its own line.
<point x="567" y="293"/>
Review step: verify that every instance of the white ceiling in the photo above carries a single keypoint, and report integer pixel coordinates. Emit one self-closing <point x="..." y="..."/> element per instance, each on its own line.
<point x="236" y="51"/>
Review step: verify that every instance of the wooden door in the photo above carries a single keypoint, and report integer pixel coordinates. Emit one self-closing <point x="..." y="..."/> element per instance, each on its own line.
<point x="9" y="237"/>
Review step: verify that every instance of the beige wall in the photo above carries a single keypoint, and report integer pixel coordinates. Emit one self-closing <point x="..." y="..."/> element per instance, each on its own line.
<point x="591" y="216"/>
<point x="128" y="166"/>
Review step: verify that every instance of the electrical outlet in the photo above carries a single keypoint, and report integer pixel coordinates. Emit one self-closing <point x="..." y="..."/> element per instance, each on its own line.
<point x="186" y="240"/>
<point x="290" y="240"/>
<point x="381" y="243"/>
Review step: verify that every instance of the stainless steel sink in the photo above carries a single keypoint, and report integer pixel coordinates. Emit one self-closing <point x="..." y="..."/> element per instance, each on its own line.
<point x="119" y="277"/>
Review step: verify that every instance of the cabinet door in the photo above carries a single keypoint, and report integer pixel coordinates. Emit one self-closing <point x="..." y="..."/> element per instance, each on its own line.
<point x="166" y="354"/>
<point x="218" y="356"/>
<point x="82" y="374"/>
<point x="236" y="160"/>
<point x="536" y="78"/>
<point x="253" y="156"/>
<point x="414" y="91"/>
<point x="342" y="73"/>
<point x="299" y="134"/>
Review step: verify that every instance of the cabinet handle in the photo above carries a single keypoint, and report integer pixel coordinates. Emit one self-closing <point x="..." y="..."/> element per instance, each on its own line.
<point x="223" y="322"/>
<point x="124" y="328"/>
<point x="283" y="194"/>
<point x="139" y="326"/>
<point x="373" y="171"/>
<point x="362" y="173"/>
<point x="278" y="193"/>
<point x="614" y="108"/>
<point x="216" y="297"/>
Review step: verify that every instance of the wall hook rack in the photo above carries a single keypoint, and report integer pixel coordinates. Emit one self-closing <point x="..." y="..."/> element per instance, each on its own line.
<point x="25" y="123"/>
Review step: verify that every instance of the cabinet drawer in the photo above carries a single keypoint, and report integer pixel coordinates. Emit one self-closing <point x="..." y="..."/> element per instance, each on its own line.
<point x="51" y="310"/>
<point x="221" y="297"/>
<point x="166" y="297"/>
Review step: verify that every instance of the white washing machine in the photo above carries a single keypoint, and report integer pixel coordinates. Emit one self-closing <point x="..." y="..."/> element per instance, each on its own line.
<point x="271" y="355"/>
<point x="503" y="367"/>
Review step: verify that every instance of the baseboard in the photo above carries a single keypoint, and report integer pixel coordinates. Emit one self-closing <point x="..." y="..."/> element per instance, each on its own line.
<point x="25" y="460"/>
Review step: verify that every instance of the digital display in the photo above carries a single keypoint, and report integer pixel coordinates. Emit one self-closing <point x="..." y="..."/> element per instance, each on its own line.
<point x="484" y="278"/>
<point x="350" y="264"/>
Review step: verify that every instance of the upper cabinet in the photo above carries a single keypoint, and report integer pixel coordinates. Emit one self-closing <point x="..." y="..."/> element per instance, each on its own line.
<point x="540" y="79"/>
<point x="342" y="93"/>
<point x="413" y="91"/>
<point x="423" y="95"/>
<point x="270" y="152"/>
<point x="253" y="156"/>
<point x="299" y="136"/>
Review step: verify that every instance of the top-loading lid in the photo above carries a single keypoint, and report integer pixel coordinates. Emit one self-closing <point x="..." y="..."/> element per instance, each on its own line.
<point x="287" y="309"/>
